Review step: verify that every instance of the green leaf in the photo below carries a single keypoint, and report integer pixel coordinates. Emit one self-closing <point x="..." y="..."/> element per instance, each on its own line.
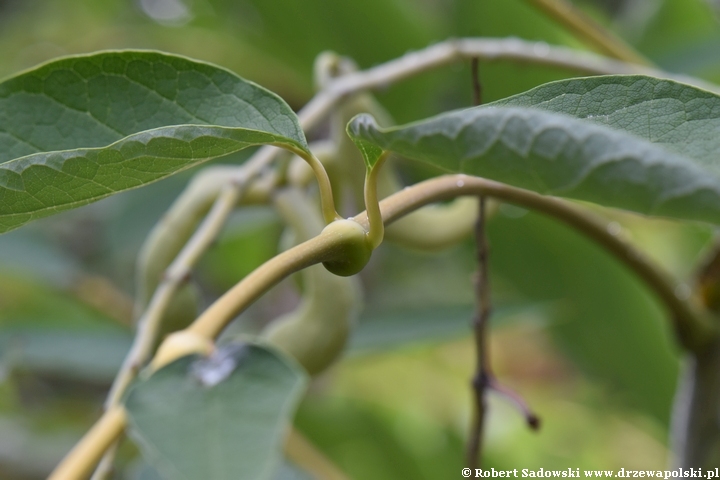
<point x="286" y="471"/>
<point x="632" y="142"/>
<point x="230" y="430"/>
<point x="81" y="128"/>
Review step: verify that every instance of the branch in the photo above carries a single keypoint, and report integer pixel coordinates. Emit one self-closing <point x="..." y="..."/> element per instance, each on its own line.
<point x="588" y="30"/>
<point x="692" y="326"/>
<point x="484" y="380"/>
<point x="480" y="324"/>
<point x="149" y="323"/>
<point x="321" y="105"/>
<point x="79" y="463"/>
<point x="695" y="432"/>
<point x="439" y="55"/>
<point x="176" y="274"/>
<point x="694" y="329"/>
<point x="436" y="56"/>
<point x="452" y="51"/>
<point x="238" y="298"/>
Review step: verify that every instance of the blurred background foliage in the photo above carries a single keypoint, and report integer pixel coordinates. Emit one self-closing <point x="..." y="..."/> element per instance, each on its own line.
<point x="577" y="335"/>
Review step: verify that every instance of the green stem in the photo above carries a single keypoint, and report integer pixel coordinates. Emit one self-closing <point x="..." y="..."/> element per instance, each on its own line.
<point x="234" y="301"/>
<point x="376" y="230"/>
<point x="326" y="196"/>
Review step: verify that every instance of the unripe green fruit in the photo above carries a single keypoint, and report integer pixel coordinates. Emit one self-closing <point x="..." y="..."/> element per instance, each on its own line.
<point x="354" y="250"/>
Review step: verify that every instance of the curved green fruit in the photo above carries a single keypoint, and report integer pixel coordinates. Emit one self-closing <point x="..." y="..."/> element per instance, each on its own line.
<point x="354" y="250"/>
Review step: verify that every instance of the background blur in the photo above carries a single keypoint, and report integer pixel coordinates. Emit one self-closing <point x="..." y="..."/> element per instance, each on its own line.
<point x="579" y="337"/>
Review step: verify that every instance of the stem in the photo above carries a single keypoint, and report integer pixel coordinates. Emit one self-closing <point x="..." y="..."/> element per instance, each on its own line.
<point x="480" y="324"/>
<point x="316" y="331"/>
<point x="693" y="328"/>
<point x="304" y="454"/>
<point x="78" y="464"/>
<point x="234" y="301"/>
<point x="326" y="196"/>
<point x="484" y="379"/>
<point x="588" y="30"/>
<point x="376" y="230"/>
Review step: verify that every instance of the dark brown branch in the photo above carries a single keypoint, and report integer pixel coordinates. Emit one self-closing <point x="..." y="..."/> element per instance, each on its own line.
<point x="481" y="380"/>
<point x="484" y="380"/>
<point x="477" y="86"/>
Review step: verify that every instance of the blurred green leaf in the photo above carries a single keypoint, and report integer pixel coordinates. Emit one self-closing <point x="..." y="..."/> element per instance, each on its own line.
<point x="86" y="356"/>
<point x="380" y="329"/>
<point x="609" y="325"/>
<point x="90" y="126"/>
<point x="671" y="26"/>
<point x="225" y="428"/>
<point x="640" y="143"/>
<point x="370" y="442"/>
<point x="250" y="239"/>
<point x="28" y="254"/>
<point x="29" y="304"/>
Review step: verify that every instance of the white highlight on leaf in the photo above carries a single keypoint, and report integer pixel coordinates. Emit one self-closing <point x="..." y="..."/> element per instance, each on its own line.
<point x="218" y="367"/>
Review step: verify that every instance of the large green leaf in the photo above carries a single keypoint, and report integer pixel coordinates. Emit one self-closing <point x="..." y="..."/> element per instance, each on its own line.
<point x="605" y="320"/>
<point x="632" y="142"/>
<point x="81" y="128"/>
<point x="226" y="428"/>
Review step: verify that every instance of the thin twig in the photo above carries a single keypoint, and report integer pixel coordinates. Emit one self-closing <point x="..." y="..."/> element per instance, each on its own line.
<point x="532" y="420"/>
<point x="452" y="51"/>
<point x="480" y="326"/>
<point x="477" y="86"/>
